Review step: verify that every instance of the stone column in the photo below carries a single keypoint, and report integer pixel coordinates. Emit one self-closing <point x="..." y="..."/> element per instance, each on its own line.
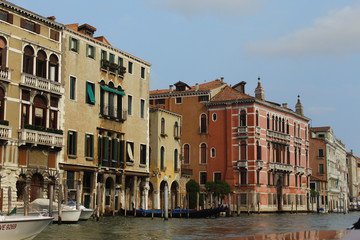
<point x="122" y="191"/>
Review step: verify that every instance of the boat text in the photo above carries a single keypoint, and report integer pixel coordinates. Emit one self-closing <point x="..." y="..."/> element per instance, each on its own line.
<point x="4" y="227"/>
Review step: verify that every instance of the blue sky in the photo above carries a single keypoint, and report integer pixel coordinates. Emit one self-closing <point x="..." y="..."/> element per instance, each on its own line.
<point x="306" y="48"/>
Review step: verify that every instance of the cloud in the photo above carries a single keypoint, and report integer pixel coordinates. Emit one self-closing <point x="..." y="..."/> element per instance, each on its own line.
<point x="337" y="34"/>
<point x="220" y="7"/>
<point x="320" y="110"/>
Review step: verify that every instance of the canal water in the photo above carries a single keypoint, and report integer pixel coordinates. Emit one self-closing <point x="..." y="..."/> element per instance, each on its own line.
<point x="219" y="228"/>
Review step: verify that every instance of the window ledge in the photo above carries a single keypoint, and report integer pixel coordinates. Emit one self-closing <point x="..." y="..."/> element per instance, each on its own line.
<point x="129" y="164"/>
<point x="89" y="158"/>
<point x="142" y="165"/>
<point x="72" y="156"/>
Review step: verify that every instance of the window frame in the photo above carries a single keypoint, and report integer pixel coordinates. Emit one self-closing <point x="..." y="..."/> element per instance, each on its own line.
<point x="89" y="149"/>
<point x="130" y="67"/>
<point x="93" y="51"/>
<point x="74" y="44"/>
<point x="201" y="175"/>
<point x="129" y="102"/>
<point x="70" y="87"/>
<point x="72" y="144"/>
<point x="88" y="99"/>
<point x="142" y="72"/>
<point x="142" y="108"/>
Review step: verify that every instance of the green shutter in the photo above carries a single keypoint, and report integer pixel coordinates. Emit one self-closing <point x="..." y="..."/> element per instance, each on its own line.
<point x="106" y="148"/>
<point x="122" y="150"/>
<point x="94" y="52"/>
<point x="91" y="146"/>
<point x="77" y="46"/>
<point x="70" y="38"/>
<point x="75" y="143"/>
<point x="91" y="93"/>
<point x="86" y="145"/>
<point x="115" y="149"/>
<point x="68" y="143"/>
<point x="87" y="50"/>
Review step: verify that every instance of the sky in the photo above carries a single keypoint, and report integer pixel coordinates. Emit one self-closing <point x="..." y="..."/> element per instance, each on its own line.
<point x="307" y="48"/>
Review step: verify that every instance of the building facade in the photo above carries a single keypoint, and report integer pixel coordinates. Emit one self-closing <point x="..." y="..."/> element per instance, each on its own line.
<point x="352" y="178"/>
<point x="31" y="103"/>
<point x="260" y="148"/>
<point x="165" y="145"/>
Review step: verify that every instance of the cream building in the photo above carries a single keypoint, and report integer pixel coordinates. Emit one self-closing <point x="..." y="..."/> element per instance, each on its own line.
<point x="352" y="178"/>
<point x="31" y="103"/>
<point x="165" y="143"/>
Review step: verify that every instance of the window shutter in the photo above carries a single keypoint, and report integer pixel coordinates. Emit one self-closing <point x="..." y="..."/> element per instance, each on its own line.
<point x="86" y="147"/>
<point x="22" y="23"/>
<point x="94" y="52"/>
<point x="77" y="45"/>
<point x="87" y="50"/>
<point x="10" y="18"/>
<point x="70" y="40"/>
<point x="115" y="149"/>
<point x="122" y="150"/>
<point x="106" y="148"/>
<point x="57" y="36"/>
<point x="37" y="28"/>
<point x="100" y="152"/>
<point x="75" y="143"/>
<point x="68" y="143"/>
<point x="91" y="146"/>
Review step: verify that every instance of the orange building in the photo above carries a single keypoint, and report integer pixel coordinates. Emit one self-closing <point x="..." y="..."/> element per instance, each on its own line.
<point x="190" y="102"/>
<point x="260" y="148"/>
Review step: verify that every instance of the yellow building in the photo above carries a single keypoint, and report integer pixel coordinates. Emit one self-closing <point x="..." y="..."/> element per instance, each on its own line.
<point x="31" y="100"/>
<point x="165" y="143"/>
<point x="106" y="121"/>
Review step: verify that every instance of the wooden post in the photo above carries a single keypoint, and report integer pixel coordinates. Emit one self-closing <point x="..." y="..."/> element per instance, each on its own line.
<point x="153" y="203"/>
<point x="188" y="205"/>
<point x="211" y="200"/>
<point x="51" y="200"/>
<point x="238" y="204"/>
<point x="172" y="203"/>
<point x="258" y="207"/>
<point x="181" y="206"/>
<point x="59" y="204"/>
<point x="2" y="200"/>
<point x="78" y="201"/>
<point x="125" y="201"/>
<point x="26" y="201"/>
<point x="98" y="194"/>
<point x="197" y="200"/>
<point x="9" y="200"/>
<point x="229" y="204"/>
<point x="66" y="194"/>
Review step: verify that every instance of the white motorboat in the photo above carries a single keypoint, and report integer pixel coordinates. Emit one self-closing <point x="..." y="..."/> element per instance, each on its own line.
<point x="41" y="205"/>
<point x="86" y="213"/>
<point x="22" y="227"/>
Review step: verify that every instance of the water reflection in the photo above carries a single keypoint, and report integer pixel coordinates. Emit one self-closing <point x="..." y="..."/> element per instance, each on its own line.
<point x="220" y="228"/>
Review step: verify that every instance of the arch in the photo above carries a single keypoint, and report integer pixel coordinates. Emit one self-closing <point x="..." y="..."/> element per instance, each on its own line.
<point x="41" y="64"/>
<point x="150" y="195"/>
<point x="268" y="152"/>
<point x="203" y="123"/>
<point x="162" y="158"/>
<point x="283" y="125"/>
<point x="20" y="187"/>
<point x="111" y="84"/>
<point x="3" y="51"/>
<point x="213" y="152"/>
<point x="287" y="127"/>
<point x="162" y="188"/>
<point x="28" y="60"/>
<point x="39" y="111"/>
<point x="176" y="130"/>
<point x="294" y="129"/>
<point x="186" y="153"/>
<point x="203" y="153"/>
<point x="36" y="186"/>
<point x="54" y="68"/>
<point x="268" y="122"/>
<point x="175" y="194"/>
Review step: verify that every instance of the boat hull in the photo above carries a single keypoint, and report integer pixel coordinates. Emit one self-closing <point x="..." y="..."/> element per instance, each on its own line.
<point x="24" y="227"/>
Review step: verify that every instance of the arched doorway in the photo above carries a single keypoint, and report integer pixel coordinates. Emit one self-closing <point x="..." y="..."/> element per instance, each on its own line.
<point x="162" y="187"/>
<point x="175" y="190"/>
<point x="36" y="186"/>
<point x="20" y="187"/>
<point x="108" y="191"/>
<point x="151" y="196"/>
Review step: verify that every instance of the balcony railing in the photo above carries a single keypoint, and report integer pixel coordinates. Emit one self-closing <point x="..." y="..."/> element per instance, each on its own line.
<point x="278" y="135"/>
<point x="307" y="143"/>
<point x="5" y="132"/>
<point x="241" y="164"/>
<point x="299" y="170"/>
<point x="242" y="130"/>
<point x="280" y="167"/>
<point x="5" y="74"/>
<point x="308" y="171"/>
<point x="259" y="164"/>
<point x="41" y="138"/>
<point x="112" y="112"/>
<point x="112" y="67"/>
<point x="297" y="140"/>
<point x="257" y="130"/>
<point x="334" y="175"/>
<point x="40" y="83"/>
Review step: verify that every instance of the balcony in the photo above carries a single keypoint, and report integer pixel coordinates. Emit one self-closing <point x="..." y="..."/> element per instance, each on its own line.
<point x="278" y="135"/>
<point x="280" y="167"/>
<point x="334" y="190"/>
<point x="241" y="164"/>
<point x="4" y="74"/>
<point x="5" y="132"/>
<point x="259" y="164"/>
<point x="258" y="130"/>
<point x="186" y="172"/>
<point x="41" y="84"/>
<point x="41" y="138"/>
<point x="113" y="68"/>
<point x="299" y="170"/>
<point x="334" y="176"/>
<point x="308" y="171"/>
<point x="297" y="140"/>
<point x="242" y="130"/>
<point x="113" y="113"/>
<point x="307" y="143"/>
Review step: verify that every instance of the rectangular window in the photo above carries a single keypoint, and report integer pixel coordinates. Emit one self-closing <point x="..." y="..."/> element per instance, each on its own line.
<point x="54" y="35"/>
<point x="321" y="168"/>
<point x="142" y="108"/>
<point x="103" y="55"/>
<point x="53" y="119"/>
<point x="89" y="145"/>
<point x="143" y="154"/>
<point x="129" y="152"/>
<point x="120" y="61"/>
<point x="178" y="100"/>
<point x="203" y="176"/>
<point x="130" y="67"/>
<point x="204" y="98"/>
<point x="72" y="88"/>
<point x="142" y="72"/>
<point x="90" y="93"/>
<point x="129" y="105"/>
<point x="243" y="177"/>
<point x="114" y="152"/>
<point x="3" y="15"/>
<point x="70" y="179"/>
<point x="243" y="198"/>
<point x="217" y="176"/>
<point x="160" y="101"/>
<point x="111" y="58"/>
<point x="90" y="51"/>
<point x="321" y="152"/>
<point x="74" y="45"/>
<point x="72" y="143"/>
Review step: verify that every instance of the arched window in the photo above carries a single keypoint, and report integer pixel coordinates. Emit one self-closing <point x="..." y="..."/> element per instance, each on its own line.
<point x="242" y="118"/>
<point x="295" y="154"/>
<point x="203" y="123"/>
<point x="213" y="152"/>
<point x="203" y="157"/>
<point x="39" y="111"/>
<point x="276" y="123"/>
<point x="258" y="150"/>
<point x="243" y="150"/>
<point x="288" y="155"/>
<point x="306" y="133"/>
<point x="214" y="117"/>
<point x="268" y="153"/>
<point x="162" y="125"/>
<point x="2" y="103"/>
<point x="299" y="130"/>
<point x="176" y="165"/>
<point x="28" y="60"/>
<point x="111" y="96"/>
<point x="273" y="123"/>
<point x="41" y="64"/>
<point x="268" y="122"/>
<point x="186" y="154"/>
<point x="257" y="118"/>
<point x="176" y="130"/>
<point x="299" y="156"/>
<point x="162" y="158"/>
<point x="3" y="51"/>
<point x="283" y="126"/>
<point x="294" y="129"/>
<point x="54" y="68"/>
<point x="287" y="127"/>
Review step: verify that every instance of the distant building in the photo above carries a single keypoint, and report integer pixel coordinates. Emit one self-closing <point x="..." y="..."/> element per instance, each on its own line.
<point x="328" y="161"/>
<point x="352" y="177"/>
<point x="260" y="148"/>
<point x="165" y="145"/>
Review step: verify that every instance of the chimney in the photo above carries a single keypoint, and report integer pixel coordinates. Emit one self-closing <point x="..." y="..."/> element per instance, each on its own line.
<point x="196" y="87"/>
<point x="284" y="105"/>
<point x="222" y="80"/>
<point x="240" y="87"/>
<point x="52" y="18"/>
<point x="259" y="91"/>
<point x="171" y="88"/>
<point x="299" y="109"/>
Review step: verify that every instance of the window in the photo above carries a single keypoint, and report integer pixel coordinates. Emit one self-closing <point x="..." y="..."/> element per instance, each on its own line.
<point x="176" y="130"/>
<point x="89" y="145"/>
<point x="242" y="118"/>
<point x="103" y="55"/>
<point x="28" y="60"/>
<point x="3" y="51"/>
<point x="243" y="150"/>
<point x="162" y="158"/>
<point x="321" y="168"/>
<point x="160" y="101"/>
<point x="142" y="72"/>
<point x="2" y="103"/>
<point x="243" y="176"/>
<point x="269" y="178"/>
<point x="70" y="179"/>
<point x="257" y="177"/>
<point x="120" y="61"/>
<point x="5" y="16"/>
<point x="294" y="129"/>
<point x="31" y="26"/>
<point x="258" y="151"/>
<point x="176" y="164"/>
<point x="74" y="45"/>
<point x="213" y="152"/>
<point x="54" y="35"/>
<point x="72" y="88"/>
<point x="41" y="64"/>
<point x="90" y="51"/>
<point x="178" y="100"/>
<point x="54" y="68"/>
<point x="130" y="67"/>
<point x="162" y="126"/>
<point x="217" y="176"/>
<point x="257" y="118"/>
<point x="142" y="108"/>
<point x="287" y="127"/>
<point x="143" y="154"/>
<point x="203" y="123"/>
<point x="129" y="152"/>
<point x="268" y="122"/>
<point x="203" y="98"/>
<point x="90" y="93"/>
<point x="321" y="152"/>
<point x="72" y="143"/>
<point x="203" y="178"/>
<point x="112" y="58"/>
<point x="53" y="119"/>
<point x="214" y="117"/>
<point x="129" y="105"/>
<point x="203" y="157"/>
<point x="186" y="154"/>
<point x="39" y="111"/>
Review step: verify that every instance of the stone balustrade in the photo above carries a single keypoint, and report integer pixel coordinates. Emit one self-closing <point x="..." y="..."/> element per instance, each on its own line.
<point x="278" y="135"/>
<point x="41" y="83"/>
<point x="41" y="138"/>
<point x="5" y="132"/>
<point x="280" y="167"/>
<point x="242" y="130"/>
<point x="299" y="170"/>
<point x="241" y="164"/>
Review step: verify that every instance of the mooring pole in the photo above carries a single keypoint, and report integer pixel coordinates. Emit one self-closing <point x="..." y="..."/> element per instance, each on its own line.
<point x="59" y="204"/>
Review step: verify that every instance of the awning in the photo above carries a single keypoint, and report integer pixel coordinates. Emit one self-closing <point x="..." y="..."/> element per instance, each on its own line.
<point x="91" y="94"/>
<point x="112" y="90"/>
<point x="130" y="153"/>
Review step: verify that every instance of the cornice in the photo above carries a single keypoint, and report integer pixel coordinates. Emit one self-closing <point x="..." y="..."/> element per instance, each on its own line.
<point x="179" y="94"/>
